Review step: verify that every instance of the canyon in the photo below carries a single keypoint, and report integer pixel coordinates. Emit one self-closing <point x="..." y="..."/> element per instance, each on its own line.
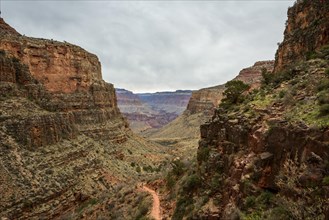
<point x="265" y="154"/>
<point x="145" y="111"/>
<point x="256" y="147"/>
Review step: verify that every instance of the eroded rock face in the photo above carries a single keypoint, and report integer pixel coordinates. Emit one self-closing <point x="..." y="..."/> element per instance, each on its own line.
<point x="253" y="75"/>
<point x="69" y="76"/>
<point x="306" y="30"/>
<point x="60" y="128"/>
<point x="207" y="99"/>
<point x="272" y="151"/>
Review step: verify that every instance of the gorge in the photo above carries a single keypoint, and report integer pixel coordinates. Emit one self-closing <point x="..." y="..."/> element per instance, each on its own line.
<point x="74" y="147"/>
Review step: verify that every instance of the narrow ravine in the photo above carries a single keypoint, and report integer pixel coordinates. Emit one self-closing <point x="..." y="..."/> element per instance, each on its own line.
<point x="156" y="209"/>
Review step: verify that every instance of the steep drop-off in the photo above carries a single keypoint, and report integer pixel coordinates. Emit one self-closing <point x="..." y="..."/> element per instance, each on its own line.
<point x="65" y="146"/>
<point x="267" y="156"/>
<point x="306" y="30"/>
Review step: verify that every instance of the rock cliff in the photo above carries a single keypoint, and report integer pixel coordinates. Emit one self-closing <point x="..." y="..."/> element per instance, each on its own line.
<point x="267" y="156"/>
<point x="306" y="30"/>
<point x="63" y="139"/>
<point x="207" y="99"/>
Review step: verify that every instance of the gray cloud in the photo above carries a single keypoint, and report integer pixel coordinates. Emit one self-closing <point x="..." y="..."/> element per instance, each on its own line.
<point x="159" y="45"/>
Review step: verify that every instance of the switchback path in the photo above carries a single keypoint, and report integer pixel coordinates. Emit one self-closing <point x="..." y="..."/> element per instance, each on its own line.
<point x="156" y="210"/>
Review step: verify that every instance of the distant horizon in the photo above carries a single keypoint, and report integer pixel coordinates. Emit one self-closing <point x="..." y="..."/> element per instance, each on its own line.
<point x="162" y="91"/>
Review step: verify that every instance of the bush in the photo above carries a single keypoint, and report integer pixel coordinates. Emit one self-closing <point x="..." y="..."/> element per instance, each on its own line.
<point x="181" y="206"/>
<point x="323" y="97"/>
<point x="234" y="89"/>
<point x="277" y="78"/>
<point x="178" y="167"/>
<point x="282" y="93"/>
<point x="170" y="181"/>
<point x="323" y="85"/>
<point x="143" y="209"/>
<point x="192" y="183"/>
<point x="325" y="180"/>
<point x="265" y="198"/>
<point x="324" y="109"/>
<point x="250" y="202"/>
<point x="203" y="154"/>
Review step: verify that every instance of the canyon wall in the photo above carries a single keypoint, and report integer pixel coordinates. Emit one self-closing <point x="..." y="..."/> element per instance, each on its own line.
<point x="63" y="139"/>
<point x="306" y="31"/>
<point x="207" y="99"/>
<point x="271" y="152"/>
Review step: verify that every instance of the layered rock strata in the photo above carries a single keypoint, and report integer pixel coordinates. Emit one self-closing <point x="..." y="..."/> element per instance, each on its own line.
<point x="64" y="142"/>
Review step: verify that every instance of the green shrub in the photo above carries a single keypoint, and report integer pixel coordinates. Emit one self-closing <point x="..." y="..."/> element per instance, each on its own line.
<point x="324" y="109"/>
<point x="277" y="78"/>
<point x="265" y="198"/>
<point x="203" y="154"/>
<point x="182" y="203"/>
<point x="282" y="93"/>
<point x="216" y="183"/>
<point x="250" y="202"/>
<point x="323" y="97"/>
<point x="192" y="183"/>
<point x="233" y="92"/>
<point x="279" y="213"/>
<point x="178" y="167"/>
<point x="143" y="209"/>
<point x="325" y="180"/>
<point x="170" y="181"/>
<point x="323" y="85"/>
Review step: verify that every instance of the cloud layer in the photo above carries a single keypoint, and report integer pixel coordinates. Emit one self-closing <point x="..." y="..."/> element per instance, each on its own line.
<point x="159" y="45"/>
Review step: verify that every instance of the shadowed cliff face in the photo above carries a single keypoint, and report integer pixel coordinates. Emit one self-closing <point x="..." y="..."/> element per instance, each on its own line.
<point x="64" y="143"/>
<point x="306" y="30"/>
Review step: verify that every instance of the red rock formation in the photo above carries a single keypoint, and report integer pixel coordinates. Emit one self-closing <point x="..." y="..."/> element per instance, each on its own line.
<point x="253" y="75"/>
<point x="272" y="150"/>
<point x="70" y="78"/>
<point x="206" y="100"/>
<point x="59" y="123"/>
<point x="306" y="30"/>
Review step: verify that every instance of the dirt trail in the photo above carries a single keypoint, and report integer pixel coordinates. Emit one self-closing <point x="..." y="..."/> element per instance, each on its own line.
<point x="156" y="212"/>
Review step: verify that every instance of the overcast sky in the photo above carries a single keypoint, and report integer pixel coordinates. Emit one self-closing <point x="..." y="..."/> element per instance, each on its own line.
<point x="147" y="46"/>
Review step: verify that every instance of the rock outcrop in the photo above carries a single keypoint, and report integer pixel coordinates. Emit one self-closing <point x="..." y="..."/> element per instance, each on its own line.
<point x="253" y="75"/>
<point x="267" y="157"/>
<point x="207" y="99"/>
<point x="306" y="30"/>
<point x="63" y="139"/>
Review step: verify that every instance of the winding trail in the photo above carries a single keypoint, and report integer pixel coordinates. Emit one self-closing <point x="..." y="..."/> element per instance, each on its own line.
<point x="156" y="211"/>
